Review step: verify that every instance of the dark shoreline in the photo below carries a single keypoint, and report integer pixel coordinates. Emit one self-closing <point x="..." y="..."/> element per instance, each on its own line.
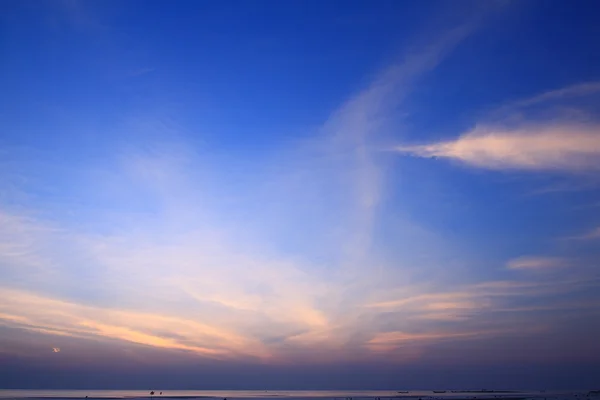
<point x="267" y="396"/>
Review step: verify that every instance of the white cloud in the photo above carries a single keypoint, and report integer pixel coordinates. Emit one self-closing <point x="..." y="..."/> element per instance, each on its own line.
<point x="550" y="147"/>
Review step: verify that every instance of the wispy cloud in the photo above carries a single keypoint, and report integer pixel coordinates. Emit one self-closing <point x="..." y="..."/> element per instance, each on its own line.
<point x="590" y="235"/>
<point x="67" y="318"/>
<point x="386" y="341"/>
<point x="200" y="299"/>
<point x="577" y="90"/>
<point x="548" y="141"/>
<point x="558" y="148"/>
<point x="342" y="157"/>
<point x="536" y="263"/>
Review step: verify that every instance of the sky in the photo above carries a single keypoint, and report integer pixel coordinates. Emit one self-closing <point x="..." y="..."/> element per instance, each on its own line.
<point x="299" y="194"/>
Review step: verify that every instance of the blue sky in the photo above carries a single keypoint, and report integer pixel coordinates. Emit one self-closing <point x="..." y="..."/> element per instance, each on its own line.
<point x="299" y="188"/>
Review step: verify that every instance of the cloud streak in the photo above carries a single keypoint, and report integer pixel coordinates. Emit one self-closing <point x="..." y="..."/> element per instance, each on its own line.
<point x="67" y="318"/>
<point x="573" y="91"/>
<point x="536" y="263"/>
<point x="592" y="234"/>
<point x="552" y="132"/>
<point x="555" y="148"/>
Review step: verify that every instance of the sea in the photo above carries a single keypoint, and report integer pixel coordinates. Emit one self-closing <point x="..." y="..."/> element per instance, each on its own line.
<point x="296" y="394"/>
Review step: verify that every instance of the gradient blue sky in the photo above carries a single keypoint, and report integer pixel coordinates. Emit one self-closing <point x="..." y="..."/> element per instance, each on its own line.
<point x="299" y="194"/>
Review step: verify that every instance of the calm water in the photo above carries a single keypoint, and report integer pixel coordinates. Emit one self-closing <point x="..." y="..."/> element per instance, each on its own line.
<point x="261" y="394"/>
